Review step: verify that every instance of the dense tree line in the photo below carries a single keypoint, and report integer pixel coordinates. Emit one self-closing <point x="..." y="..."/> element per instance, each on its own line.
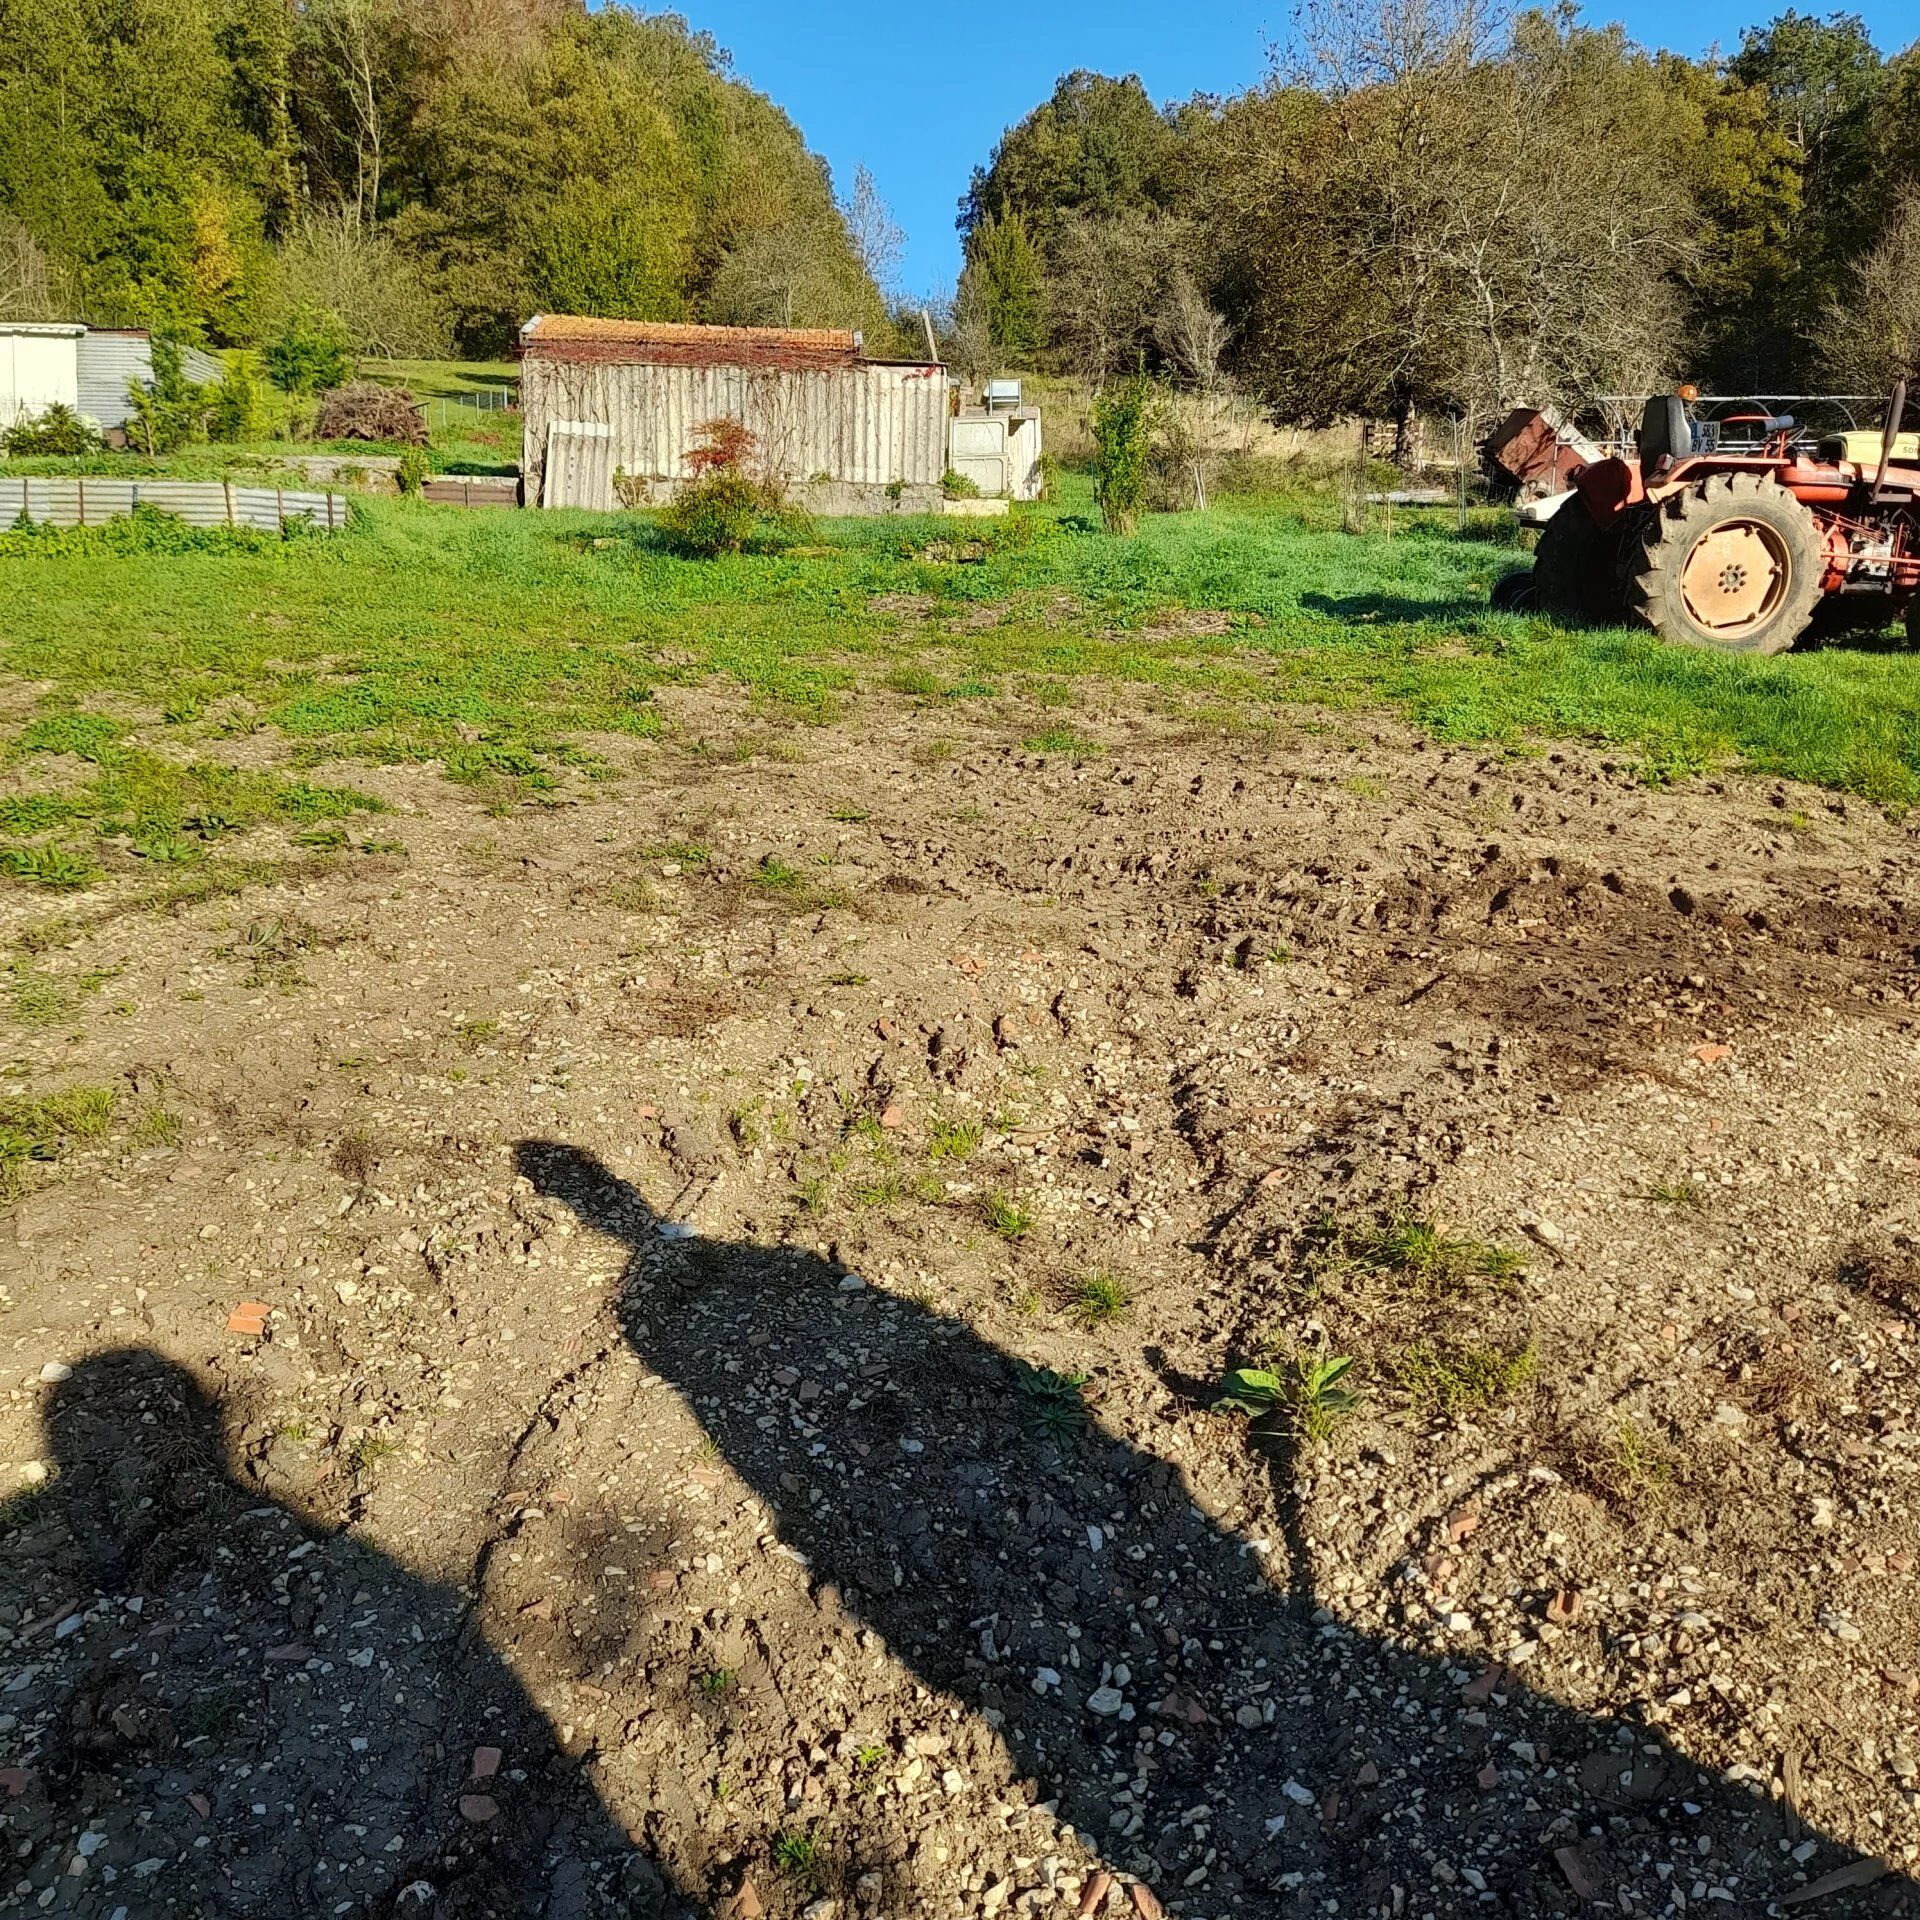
<point x="431" y="171"/>
<point x="1428" y="207"/>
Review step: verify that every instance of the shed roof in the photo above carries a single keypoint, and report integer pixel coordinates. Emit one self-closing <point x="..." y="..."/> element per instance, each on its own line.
<point x="45" y="329"/>
<point x="565" y="336"/>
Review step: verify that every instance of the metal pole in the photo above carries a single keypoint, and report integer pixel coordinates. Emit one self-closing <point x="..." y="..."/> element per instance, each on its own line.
<point x="1460" y="468"/>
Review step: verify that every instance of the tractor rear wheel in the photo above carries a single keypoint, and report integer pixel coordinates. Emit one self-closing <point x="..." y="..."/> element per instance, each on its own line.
<point x="1575" y="575"/>
<point x="1735" y="562"/>
<point x="1913" y="623"/>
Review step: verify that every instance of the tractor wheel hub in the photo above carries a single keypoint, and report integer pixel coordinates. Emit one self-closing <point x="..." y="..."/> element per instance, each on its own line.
<point x="1736" y="576"/>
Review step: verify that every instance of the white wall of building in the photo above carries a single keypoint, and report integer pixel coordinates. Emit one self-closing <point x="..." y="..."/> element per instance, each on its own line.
<point x="39" y="368"/>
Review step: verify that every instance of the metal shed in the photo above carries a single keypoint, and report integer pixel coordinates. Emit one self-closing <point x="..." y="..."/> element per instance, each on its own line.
<point x="63" y="363"/>
<point x="110" y="357"/>
<point x="601" y="398"/>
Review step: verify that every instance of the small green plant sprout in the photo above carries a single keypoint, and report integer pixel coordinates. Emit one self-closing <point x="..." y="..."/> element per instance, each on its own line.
<point x="1056" y="1401"/>
<point x="1676" y="1193"/>
<point x="1007" y="1218"/>
<point x="953" y="1140"/>
<point x="1310" y="1392"/>
<point x="717" y="1681"/>
<point x="1098" y="1299"/>
<point x="797" y="1855"/>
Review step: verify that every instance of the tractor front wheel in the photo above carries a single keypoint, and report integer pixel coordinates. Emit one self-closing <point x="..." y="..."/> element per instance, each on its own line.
<point x="1574" y="571"/>
<point x="1735" y="563"/>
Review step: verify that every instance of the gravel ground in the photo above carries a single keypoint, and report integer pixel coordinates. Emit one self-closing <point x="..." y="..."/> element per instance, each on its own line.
<point x="660" y="1355"/>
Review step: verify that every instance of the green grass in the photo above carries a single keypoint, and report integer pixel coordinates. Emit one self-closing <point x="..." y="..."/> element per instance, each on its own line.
<point x="1006" y="1217"/>
<point x="49" y="1128"/>
<point x="953" y="1139"/>
<point x="1451" y="1377"/>
<point x="1099" y="1299"/>
<point x="495" y="643"/>
<point x="1420" y="1254"/>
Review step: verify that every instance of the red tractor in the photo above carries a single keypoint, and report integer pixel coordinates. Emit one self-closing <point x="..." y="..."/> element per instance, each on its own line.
<point x="1739" y="548"/>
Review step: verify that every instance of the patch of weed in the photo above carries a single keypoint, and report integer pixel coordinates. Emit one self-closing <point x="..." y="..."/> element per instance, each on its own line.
<point x="1452" y="1377"/>
<point x="953" y="1140"/>
<point x="1099" y="1299"/>
<point x="1676" y="1193"/>
<point x="1056" y="1402"/>
<point x="1417" y="1253"/>
<point x="1312" y="1392"/>
<point x="1007" y="1217"/>
<point x="797" y="1857"/>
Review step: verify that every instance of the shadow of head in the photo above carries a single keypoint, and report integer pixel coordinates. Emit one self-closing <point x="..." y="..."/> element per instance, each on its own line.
<point x="1031" y="1545"/>
<point x="138" y="1448"/>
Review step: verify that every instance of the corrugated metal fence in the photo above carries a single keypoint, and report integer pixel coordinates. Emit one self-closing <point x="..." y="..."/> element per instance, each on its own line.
<point x="869" y="425"/>
<point x="80" y="501"/>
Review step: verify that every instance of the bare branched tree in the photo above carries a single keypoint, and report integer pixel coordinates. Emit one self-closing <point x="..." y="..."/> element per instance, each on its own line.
<point x="1871" y="337"/>
<point x="29" y="287"/>
<point x="877" y="237"/>
<point x="1102" y="276"/>
<point x="334" y="262"/>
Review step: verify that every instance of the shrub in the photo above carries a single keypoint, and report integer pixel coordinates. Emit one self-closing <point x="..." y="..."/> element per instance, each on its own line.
<point x="956" y="486"/>
<point x="726" y="506"/>
<point x="717" y="513"/>
<point x="414" y="468"/>
<point x="170" y="410"/>
<point x="310" y="354"/>
<point x="364" y="410"/>
<point x="1123" y="424"/>
<point x="59" y="431"/>
<point x="234" y="410"/>
<point x="723" y="443"/>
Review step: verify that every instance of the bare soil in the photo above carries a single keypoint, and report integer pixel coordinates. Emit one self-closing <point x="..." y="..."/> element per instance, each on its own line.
<point x="683" y="1467"/>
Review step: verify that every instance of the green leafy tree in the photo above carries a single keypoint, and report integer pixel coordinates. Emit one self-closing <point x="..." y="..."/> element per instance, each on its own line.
<point x="310" y="353"/>
<point x="233" y="403"/>
<point x="169" y="411"/>
<point x="1124" y="416"/>
<point x="1097" y="147"/>
<point x="1005" y="276"/>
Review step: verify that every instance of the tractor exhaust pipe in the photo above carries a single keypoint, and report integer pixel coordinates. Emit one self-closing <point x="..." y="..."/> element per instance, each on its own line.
<point x="1896" y="412"/>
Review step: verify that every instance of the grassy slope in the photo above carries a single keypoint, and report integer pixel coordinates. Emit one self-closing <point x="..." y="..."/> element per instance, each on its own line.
<point x="487" y="639"/>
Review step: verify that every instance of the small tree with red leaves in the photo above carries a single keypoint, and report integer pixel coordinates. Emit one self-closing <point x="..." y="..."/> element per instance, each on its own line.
<point x="724" y="445"/>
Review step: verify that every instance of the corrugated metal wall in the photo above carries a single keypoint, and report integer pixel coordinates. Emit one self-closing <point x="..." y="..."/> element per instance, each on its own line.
<point x="62" y="502"/>
<point x="107" y="362"/>
<point x="867" y="425"/>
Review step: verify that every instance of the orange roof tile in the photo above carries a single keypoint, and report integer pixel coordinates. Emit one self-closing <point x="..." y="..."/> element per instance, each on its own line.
<point x="567" y="336"/>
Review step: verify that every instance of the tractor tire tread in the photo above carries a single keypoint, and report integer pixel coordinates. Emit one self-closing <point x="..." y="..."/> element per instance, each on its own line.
<point x="1653" y="587"/>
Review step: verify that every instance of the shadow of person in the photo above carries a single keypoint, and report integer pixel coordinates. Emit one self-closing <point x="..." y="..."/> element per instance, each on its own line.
<point x="1240" y="1749"/>
<point x="213" y="1709"/>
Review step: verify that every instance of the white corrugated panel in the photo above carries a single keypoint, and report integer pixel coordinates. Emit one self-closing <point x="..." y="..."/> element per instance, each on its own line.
<point x="579" y="467"/>
<point x="75" y="502"/>
<point x="869" y="425"/>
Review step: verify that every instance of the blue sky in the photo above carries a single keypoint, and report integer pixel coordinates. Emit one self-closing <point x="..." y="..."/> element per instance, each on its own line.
<point x="920" y="93"/>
